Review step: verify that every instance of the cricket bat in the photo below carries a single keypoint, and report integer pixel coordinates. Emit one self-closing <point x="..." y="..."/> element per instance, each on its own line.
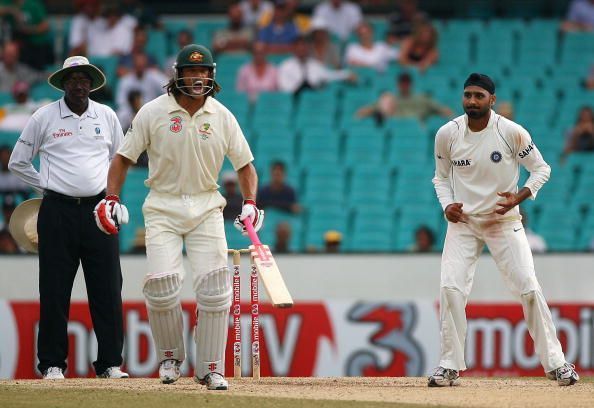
<point x="268" y="270"/>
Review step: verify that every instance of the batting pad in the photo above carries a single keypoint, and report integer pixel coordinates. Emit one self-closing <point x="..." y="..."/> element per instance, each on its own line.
<point x="165" y="315"/>
<point x="214" y="300"/>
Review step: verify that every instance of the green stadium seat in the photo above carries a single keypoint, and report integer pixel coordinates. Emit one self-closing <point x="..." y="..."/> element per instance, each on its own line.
<point x="234" y="238"/>
<point x="43" y="90"/>
<point x="324" y="185"/>
<point x="413" y="183"/>
<point x="157" y="45"/>
<point x="369" y="185"/>
<point x="369" y="241"/>
<point x="364" y="145"/>
<point x="320" y="144"/>
<point x="372" y="231"/>
<point x="205" y="29"/>
<point x="272" y="219"/>
<point x="321" y="219"/>
<point x="9" y="138"/>
<point x="5" y="98"/>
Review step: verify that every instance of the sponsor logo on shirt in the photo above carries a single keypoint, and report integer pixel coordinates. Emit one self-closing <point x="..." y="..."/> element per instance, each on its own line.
<point x="176" y="124"/>
<point x="98" y="135"/>
<point x="204" y="131"/>
<point x="527" y="150"/>
<point x="461" y="163"/>
<point x="61" y="133"/>
<point x="496" y="156"/>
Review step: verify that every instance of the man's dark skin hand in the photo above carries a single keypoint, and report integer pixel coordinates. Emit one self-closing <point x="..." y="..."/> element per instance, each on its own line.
<point x="454" y="213"/>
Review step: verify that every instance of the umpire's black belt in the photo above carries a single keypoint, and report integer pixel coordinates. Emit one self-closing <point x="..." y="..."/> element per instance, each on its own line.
<point x="77" y="200"/>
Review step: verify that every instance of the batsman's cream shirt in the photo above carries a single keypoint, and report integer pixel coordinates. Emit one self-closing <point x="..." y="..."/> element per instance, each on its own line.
<point x="185" y="152"/>
<point x="472" y="167"/>
<point x="74" y="151"/>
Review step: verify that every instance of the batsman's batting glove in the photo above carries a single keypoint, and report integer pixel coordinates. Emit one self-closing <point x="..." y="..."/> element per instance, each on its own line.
<point x="249" y="210"/>
<point x="110" y="214"/>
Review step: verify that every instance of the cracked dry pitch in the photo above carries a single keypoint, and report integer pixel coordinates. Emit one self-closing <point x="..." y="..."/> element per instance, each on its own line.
<point x="474" y="392"/>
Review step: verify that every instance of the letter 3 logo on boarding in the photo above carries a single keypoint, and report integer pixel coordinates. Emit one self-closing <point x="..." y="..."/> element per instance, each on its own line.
<point x="176" y="125"/>
<point x="496" y="156"/>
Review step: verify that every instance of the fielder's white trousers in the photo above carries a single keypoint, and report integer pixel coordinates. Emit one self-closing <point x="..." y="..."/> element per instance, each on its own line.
<point x="507" y="243"/>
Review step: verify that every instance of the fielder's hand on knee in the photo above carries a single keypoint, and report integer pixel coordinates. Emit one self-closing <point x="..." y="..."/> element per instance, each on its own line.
<point x="110" y="214"/>
<point x="249" y="210"/>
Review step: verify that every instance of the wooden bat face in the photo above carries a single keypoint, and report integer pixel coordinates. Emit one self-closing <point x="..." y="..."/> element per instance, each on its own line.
<point x="271" y="277"/>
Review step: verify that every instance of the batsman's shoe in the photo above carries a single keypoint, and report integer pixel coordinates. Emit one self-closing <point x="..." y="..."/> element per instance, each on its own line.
<point x="53" y="373"/>
<point x="444" y="377"/>
<point x="213" y="381"/>
<point x="566" y="375"/>
<point x="169" y="371"/>
<point x="113" y="372"/>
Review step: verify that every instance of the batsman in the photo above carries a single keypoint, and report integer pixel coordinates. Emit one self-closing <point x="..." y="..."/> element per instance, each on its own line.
<point x="187" y="133"/>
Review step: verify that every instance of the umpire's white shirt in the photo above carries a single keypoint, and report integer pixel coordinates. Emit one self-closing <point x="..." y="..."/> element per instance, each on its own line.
<point x="74" y="151"/>
<point x="472" y="167"/>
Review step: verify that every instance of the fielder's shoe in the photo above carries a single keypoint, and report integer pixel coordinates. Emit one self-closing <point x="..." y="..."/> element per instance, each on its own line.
<point x="444" y="377"/>
<point x="113" y="372"/>
<point x="53" y="373"/>
<point x="566" y="375"/>
<point x="169" y="371"/>
<point x="213" y="381"/>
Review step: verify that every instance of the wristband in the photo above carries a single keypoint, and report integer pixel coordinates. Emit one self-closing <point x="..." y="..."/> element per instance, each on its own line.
<point x="249" y="201"/>
<point x="112" y="197"/>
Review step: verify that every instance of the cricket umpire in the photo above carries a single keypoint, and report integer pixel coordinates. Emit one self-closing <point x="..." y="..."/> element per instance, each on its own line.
<point x="76" y="139"/>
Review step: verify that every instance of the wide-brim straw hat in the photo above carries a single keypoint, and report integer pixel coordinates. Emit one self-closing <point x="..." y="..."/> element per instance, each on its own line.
<point x="23" y="224"/>
<point x="77" y="64"/>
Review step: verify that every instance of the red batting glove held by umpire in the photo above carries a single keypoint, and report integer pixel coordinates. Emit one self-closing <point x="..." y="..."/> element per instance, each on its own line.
<point x="250" y="210"/>
<point x="110" y="214"/>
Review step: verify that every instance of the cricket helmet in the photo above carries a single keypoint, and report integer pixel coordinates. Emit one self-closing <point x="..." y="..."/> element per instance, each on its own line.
<point x="195" y="55"/>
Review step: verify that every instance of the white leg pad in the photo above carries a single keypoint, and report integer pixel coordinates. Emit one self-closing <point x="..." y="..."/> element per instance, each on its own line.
<point x="453" y="328"/>
<point x="165" y="315"/>
<point x="542" y="329"/>
<point x="214" y="300"/>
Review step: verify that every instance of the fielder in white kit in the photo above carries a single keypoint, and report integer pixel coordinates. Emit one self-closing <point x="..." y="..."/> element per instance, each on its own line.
<point x="187" y="134"/>
<point x="477" y="158"/>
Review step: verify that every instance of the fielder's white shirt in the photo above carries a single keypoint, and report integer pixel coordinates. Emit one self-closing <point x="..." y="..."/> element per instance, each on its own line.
<point x="74" y="151"/>
<point x="185" y="152"/>
<point x="472" y="167"/>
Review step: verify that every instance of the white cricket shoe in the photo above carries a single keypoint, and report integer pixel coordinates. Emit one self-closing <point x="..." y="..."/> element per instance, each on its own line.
<point x="53" y="373"/>
<point x="444" y="377"/>
<point x="213" y="381"/>
<point x="113" y="372"/>
<point x="169" y="371"/>
<point x="566" y="375"/>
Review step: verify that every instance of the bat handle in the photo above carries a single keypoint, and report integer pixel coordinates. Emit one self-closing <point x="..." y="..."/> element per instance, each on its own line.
<point x="251" y="232"/>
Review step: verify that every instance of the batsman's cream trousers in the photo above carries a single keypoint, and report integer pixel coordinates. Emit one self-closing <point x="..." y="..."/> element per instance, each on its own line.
<point x="196" y="220"/>
<point x="509" y="247"/>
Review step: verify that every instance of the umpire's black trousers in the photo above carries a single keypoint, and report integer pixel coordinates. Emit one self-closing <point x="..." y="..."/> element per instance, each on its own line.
<point x="69" y="235"/>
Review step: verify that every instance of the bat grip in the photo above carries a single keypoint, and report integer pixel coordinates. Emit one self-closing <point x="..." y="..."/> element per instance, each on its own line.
<point x="251" y="232"/>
